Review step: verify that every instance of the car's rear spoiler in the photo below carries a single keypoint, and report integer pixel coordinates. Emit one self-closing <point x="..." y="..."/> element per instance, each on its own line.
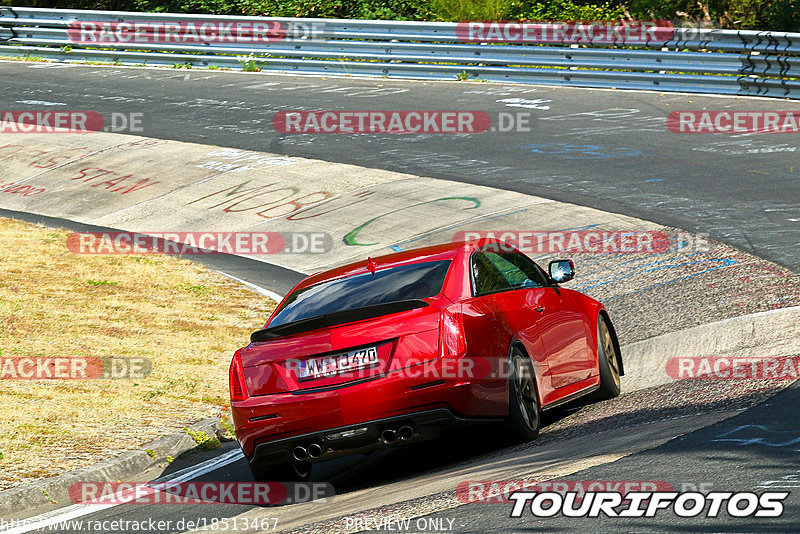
<point x="336" y="318"/>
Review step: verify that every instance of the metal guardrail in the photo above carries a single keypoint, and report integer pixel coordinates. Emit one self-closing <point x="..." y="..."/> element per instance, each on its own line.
<point x="692" y="60"/>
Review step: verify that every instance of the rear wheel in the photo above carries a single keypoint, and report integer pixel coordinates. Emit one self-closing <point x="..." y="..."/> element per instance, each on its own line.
<point x="608" y="361"/>
<point x="288" y="472"/>
<point x="524" y="414"/>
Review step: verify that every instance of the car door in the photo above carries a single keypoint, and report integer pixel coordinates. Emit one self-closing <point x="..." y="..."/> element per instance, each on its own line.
<point x="548" y="313"/>
<point x="561" y="323"/>
<point x="499" y="290"/>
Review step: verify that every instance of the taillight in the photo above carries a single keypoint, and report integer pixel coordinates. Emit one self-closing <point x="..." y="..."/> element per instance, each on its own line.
<point x="236" y="378"/>
<point x="452" y="341"/>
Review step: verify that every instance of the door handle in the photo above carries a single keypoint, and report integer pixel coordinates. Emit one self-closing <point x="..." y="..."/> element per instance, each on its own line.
<point x="539" y="309"/>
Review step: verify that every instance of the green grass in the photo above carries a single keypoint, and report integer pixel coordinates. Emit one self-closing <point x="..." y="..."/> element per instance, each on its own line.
<point x="104" y="306"/>
<point x="204" y="441"/>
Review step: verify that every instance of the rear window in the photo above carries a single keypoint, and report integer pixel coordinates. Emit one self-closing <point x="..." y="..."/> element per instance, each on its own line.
<point x="406" y="282"/>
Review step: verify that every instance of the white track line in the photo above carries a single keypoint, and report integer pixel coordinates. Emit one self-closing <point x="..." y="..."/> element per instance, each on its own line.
<point x="55" y="517"/>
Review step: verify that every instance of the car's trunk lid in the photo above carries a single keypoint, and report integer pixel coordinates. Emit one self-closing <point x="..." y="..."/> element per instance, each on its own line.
<point x="286" y="360"/>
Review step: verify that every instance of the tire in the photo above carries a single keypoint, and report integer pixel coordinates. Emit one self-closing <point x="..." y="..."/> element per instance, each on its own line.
<point x="524" y="413"/>
<point x="608" y="361"/>
<point x="286" y="472"/>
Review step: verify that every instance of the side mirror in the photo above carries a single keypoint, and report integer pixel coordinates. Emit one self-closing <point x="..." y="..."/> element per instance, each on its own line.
<point x="562" y="270"/>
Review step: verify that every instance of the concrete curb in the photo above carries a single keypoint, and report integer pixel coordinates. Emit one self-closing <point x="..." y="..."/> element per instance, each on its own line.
<point x="774" y="333"/>
<point x="127" y="466"/>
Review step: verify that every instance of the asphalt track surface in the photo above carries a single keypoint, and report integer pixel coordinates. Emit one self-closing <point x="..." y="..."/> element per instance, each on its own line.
<point x="752" y="452"/>
<point x="607" y="149"/>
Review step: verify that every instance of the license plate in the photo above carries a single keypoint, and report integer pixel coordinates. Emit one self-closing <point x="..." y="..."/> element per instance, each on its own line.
<point x="338" y="363"/>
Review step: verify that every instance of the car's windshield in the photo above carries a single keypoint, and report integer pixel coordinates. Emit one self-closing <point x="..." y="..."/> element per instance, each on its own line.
<point x="414" y="281"/>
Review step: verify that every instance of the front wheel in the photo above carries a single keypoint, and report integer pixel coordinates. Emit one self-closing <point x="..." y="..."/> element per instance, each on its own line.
<point x="608" y="362"/>
<point x="524" y="414"/>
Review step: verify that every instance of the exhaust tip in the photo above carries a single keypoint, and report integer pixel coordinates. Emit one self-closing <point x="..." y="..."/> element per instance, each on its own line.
<point x="300" y="453"/>
<point x="405" y="432"/>
<point x="315" y="450"/>
<point x="389" y="435"/>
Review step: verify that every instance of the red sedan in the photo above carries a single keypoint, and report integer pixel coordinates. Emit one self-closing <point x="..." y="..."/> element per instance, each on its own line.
<point x="391" y="350"/>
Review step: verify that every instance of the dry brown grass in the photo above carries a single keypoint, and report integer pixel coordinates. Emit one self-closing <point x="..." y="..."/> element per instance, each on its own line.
<point x="186" y="319"/>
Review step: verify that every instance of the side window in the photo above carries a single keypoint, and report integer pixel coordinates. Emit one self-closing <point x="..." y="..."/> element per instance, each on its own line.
<point x="501" y="271"/>
<point x="535" y="275"/>
<point x="486" y="276"/>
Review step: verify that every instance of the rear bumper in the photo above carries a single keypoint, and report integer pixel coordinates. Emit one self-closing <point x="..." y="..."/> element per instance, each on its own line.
<point x="270" y="425"/>
<point x="364" y="437"/>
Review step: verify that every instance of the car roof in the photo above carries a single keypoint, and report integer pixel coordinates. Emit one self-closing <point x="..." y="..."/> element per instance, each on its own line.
<point x="443" y="251"/>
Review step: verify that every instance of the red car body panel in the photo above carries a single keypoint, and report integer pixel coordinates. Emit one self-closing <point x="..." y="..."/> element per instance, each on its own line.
<point x="556" y="326"/>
